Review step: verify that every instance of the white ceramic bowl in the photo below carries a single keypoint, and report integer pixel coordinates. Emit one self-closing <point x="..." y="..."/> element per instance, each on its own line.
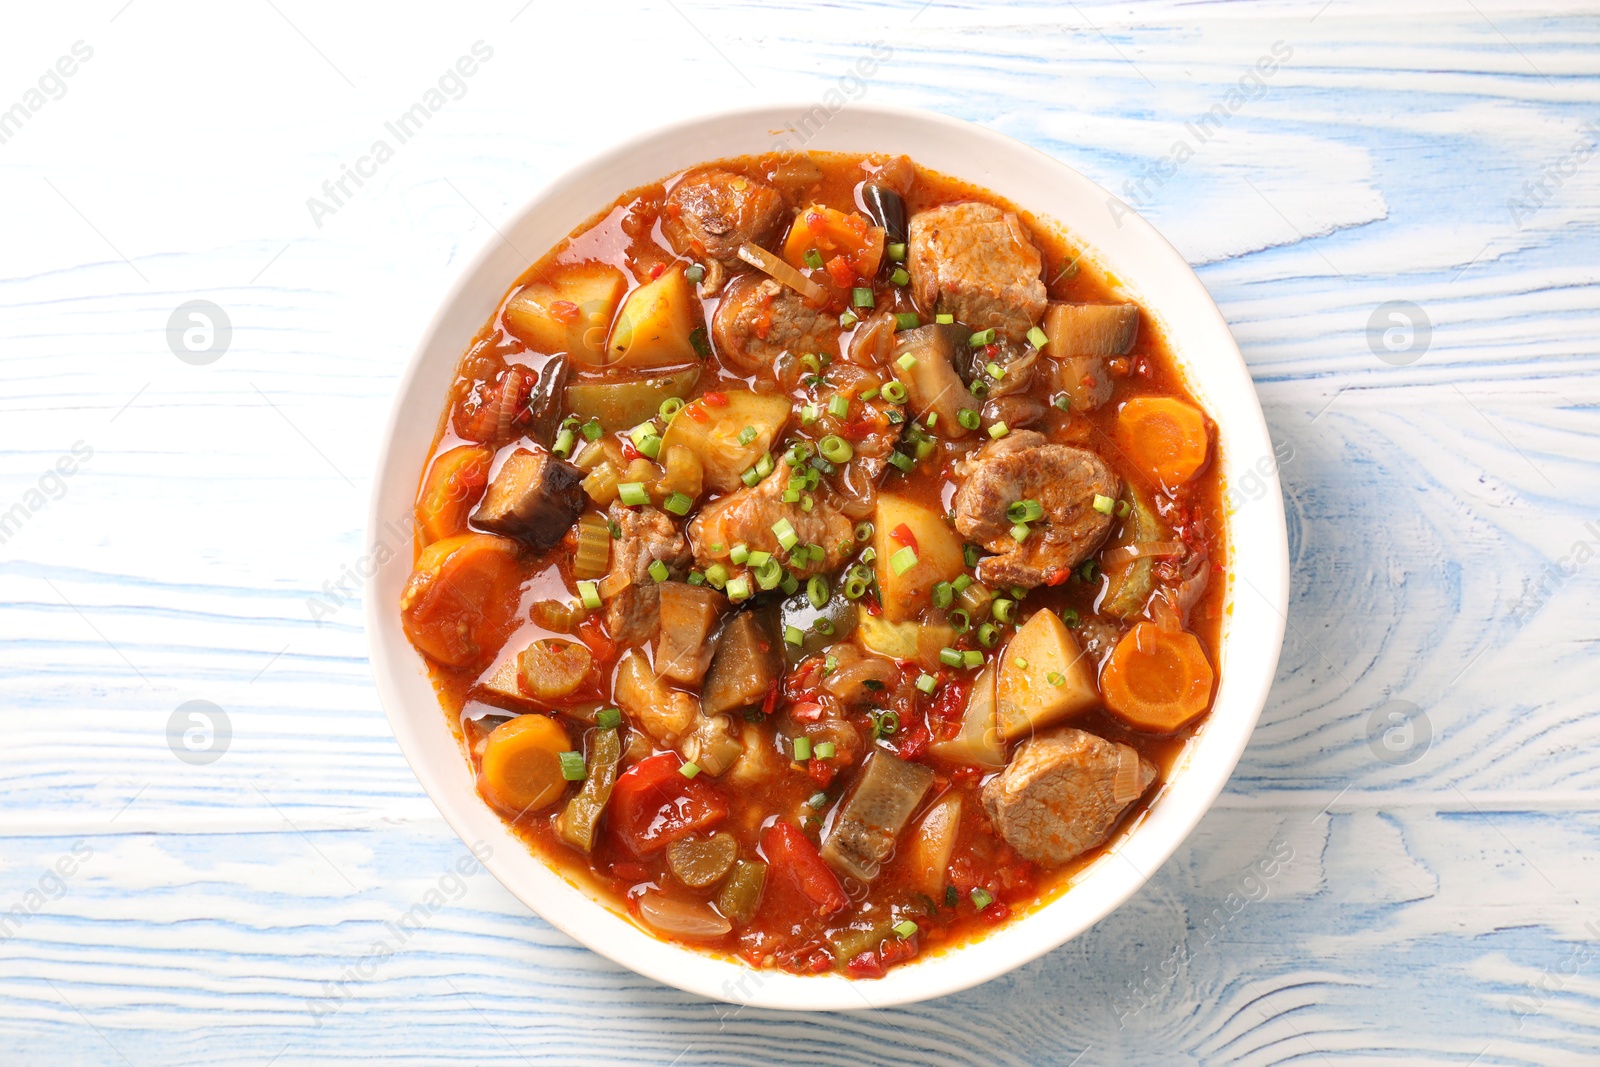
<point x="1151" y="271"/>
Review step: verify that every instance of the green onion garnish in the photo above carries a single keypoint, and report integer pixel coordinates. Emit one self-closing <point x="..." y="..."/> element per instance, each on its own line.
<point x="981" y="898"/>
<point x="835" y="449"/>
<point x="999" y="430"/>
<point x="689" y="770"/>
<point x="988" y="635"/>
<point x="589" y="593"/>
<point x="608" y="718"/>
<point x="895" y="252"/>
<point x="848" y="319"/>
<point x="981" y="338"/>
<point x="739" y="589"/>
<point x="1025" y="511"/>
<point x="571" y="766"/>
<point x="824" y="750"/>
<point x="1056" y="678"/>
<point x="901" y="461"/>
<point x="793" y="636"/>
<point x="905" y="929"/>
<point x="839" y="406"/>
<point x="899" y="277"/>
<point x="783" y="530"/>
<point x="695" y="273"/>
<point x="968" y="418"/>
<point x="894" y="392"/>
<point x="717" y="575"/>
<point x="658" y="570"/>
<point x="1020" y="532"/>
<point x="971" y="658"/>
<point x="1063" y="402"/>
<point x="563" y="445"/>
<point x="950" y="657"/>
<point x="592" y="430"/>
<point x="747" y="435"/>
<point x="1002" y="609"/>
<point x="677" y="503"/>
<point x="926" y="683"/>
<point x="862" y="298"/>
<point x="632" y="494"/>
<point x="906" y="320"/>
<point x="943" y="594"/>
<point x="959" y="621"/>
<point x="903" y="560"/>
<point x="944" y="318"/>
<point x="813" y="259"/>
<point x="802" y="749"/>
<point x="1038" y="337"/>
<point x="1104" y="504"/>
<point x="817" y="591"/>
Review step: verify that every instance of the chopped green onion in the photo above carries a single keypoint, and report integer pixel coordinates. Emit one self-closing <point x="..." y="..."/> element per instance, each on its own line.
<point x="1090" y="571"/>
<point x="806" y="503"/>
<point x="862" y="298"/>
<point x="750" y="477"/>
<point x="970" y="554"/>
<point x="869" y="394"/>
<point x="868" y="554"/>
<point x="717" y="575"/>
<point x="789" y="585"/>
<point x="943" y="594"/>
<point x="999" y="430"/>
<point x="695" y="273"/>
<point x="783" y="530"/>
<point x="1063" y="402"/>
<point x="802" y="749"/>
<point x="961" y="583"/>
<point x="971" y="658"/>
<point x="758" y="558"/>
<point x="978" y="387"/>
<point x="899" y="277"/>
<point x="739" y="588"/>
<point x="894" y="392"/>
<point x="835" y="449"/>
<point x="906" y="320"/>
<point x="903" y="560"/>
<point x="689" y="770"/>
<point x="905" y="929"/>
<point x="632" y="494"/>
<point x="863" y="532"/>
<point x="994" y="370"/>
<point x="808" y="414"/>
<point x="823" y="627"/>
<point x="1123" y="507"/>
<point x="1020" y="532"/>
<point x="906" y="362"/>
<point x="740" y="553"/>
<point x="793" y="636"/>
<point x="563" y="445"/>
<point x="926" y="682"/>
<point x="848" y="319"/>
<point x="825" y="750"/>
<point x="592" y="430"/>
<point x="981" y="338"/>
<point x="589" y="593"/>
<point x="818" y="801"/>
<point x="1070" y="616"/>
<point x="571" y="766"/>
<point x="764" y="465"/>
<point x="901" y="461"/>
<point x="658" y="570"/>
<point x="855" y="588"/>
<point x="944" y="318"/>
<point x="1002" y="609"/>
<point x="959" y="621"/>
<point x="896" y="252"/>
<point x="817" y="590"/>
<point x="1021" y="663"/>
<point x="950" y="657"/>
<point x="696" y="578"/>
<point x="1038" y="337"/>
<point x="1056" y="678"/>
<point x="981" y="898"/>
<point x="678" y="504"/>
<point x="608" y="718"/>
<point x="813" y="259"/>
<point x="747" y="435"/>
<point x="1104" y="504"/>
<point x="1025" y="511"/>
<point x="988" y="635"/>
<point x="968" y="418"/>
<point x="768" y="573"/>
<point x="839" y="406"/>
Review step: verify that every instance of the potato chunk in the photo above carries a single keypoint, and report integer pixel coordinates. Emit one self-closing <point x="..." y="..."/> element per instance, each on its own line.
<point x="713" y="432"/>
<point x="937" y="551"/>
<point x="569" y="313"/>
<point x="1043" y="678"/>
<point x="653" y="327"/>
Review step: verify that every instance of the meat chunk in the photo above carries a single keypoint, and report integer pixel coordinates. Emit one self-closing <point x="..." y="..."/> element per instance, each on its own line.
<point x="976" y="262"/>
<point x="758" y="319"/>
<point x="713" y="212"/>
<point x="1059" y="796"/>
<point x="646" y="536"/>
<point x="1064" y="480"/>
<point x="749" y="515"/>
<point x="535" y="498"/>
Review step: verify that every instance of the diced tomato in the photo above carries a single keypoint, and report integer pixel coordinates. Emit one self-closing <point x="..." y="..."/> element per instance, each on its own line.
<point x="697" y="413"/>
<point x="913" y="743"/>
<point x="654" y="805"/>
<point x="717" y="400"/>
<point x="866" y="965"/>
<point x="792" y="852"/>
<point x="902" y="535"/>
<point x="656" y="271"/>
<point x="898" y="950"/>
<point x="821" y="771"/>
<point x="842" y="273"/>
<point x="630" y="453"/>
<point x="770" y="704"/>
<point x="564" y="310"/>
<point x="810" y="711"/>
<point x="592" y="632"/>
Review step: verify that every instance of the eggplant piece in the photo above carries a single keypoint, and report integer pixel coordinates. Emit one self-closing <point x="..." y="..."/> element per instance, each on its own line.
<point x="535" y="498"/>
<point x="1081" y="338"/>
<point x="688" y="615"/>
<point x="548" y="399"/>
<point x="931" y="382"/>
<point x="888" y="210"/>
<point x="748" y="663"/>
<point x="863" y="836"/>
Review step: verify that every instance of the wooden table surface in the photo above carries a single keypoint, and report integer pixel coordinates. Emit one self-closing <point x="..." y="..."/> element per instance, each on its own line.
<point x="1399" y="871"/>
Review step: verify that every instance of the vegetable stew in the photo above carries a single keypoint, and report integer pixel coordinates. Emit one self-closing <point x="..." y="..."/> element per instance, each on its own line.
<point x="821" y="561"/>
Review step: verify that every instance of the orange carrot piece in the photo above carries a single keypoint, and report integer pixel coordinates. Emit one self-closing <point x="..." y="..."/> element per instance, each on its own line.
<point x="1157" y="680"/>
<point x="1166" y="438"/>
<point x="461" y="601"/>
<point x="454" y="483"/>
<point x="521" y="766"/>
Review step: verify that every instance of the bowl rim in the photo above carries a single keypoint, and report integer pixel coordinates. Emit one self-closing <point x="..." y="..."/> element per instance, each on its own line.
<point x="1100" y="887"/>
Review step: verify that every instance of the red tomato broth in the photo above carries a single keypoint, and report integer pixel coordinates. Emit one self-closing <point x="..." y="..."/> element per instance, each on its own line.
<point x="789" y="931"/>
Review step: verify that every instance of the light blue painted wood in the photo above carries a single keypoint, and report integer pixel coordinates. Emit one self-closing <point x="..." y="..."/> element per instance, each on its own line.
<point x="1436" y="912"/>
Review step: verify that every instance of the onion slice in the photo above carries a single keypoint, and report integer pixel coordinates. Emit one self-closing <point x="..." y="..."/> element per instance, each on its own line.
<point x="691" y="920"/>
<point x="768" y="263"/>
<point x="1125" y="786"/>
<point x="1141" y="549"/>
<point x="613" y="583"/>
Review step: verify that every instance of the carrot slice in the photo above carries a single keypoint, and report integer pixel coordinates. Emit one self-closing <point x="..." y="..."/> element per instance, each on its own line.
<point x="1157" y="680"/>
<point x="461" y="601"/>
<point x="1166" y="438"/>
<point x="521" y="767"/>
<point x="454" y="483"/>
<point x="834" y="234"/>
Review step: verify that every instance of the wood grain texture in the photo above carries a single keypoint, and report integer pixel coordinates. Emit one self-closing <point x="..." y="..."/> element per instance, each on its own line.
<point x="1439" y="911"/>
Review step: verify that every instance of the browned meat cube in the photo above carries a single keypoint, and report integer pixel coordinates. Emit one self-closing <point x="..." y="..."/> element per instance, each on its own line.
<point x="647" y="535"/>
<point x="1064" y="480"/>
<point x="713" y="212"/>
<point x="535" y="498"/>
<point x="1058" y="797"/>
<point x="977" y="263"/>
<point x="759" y="319"/>
<point x="747" y="517"/>
<point x="748" y="663"/>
